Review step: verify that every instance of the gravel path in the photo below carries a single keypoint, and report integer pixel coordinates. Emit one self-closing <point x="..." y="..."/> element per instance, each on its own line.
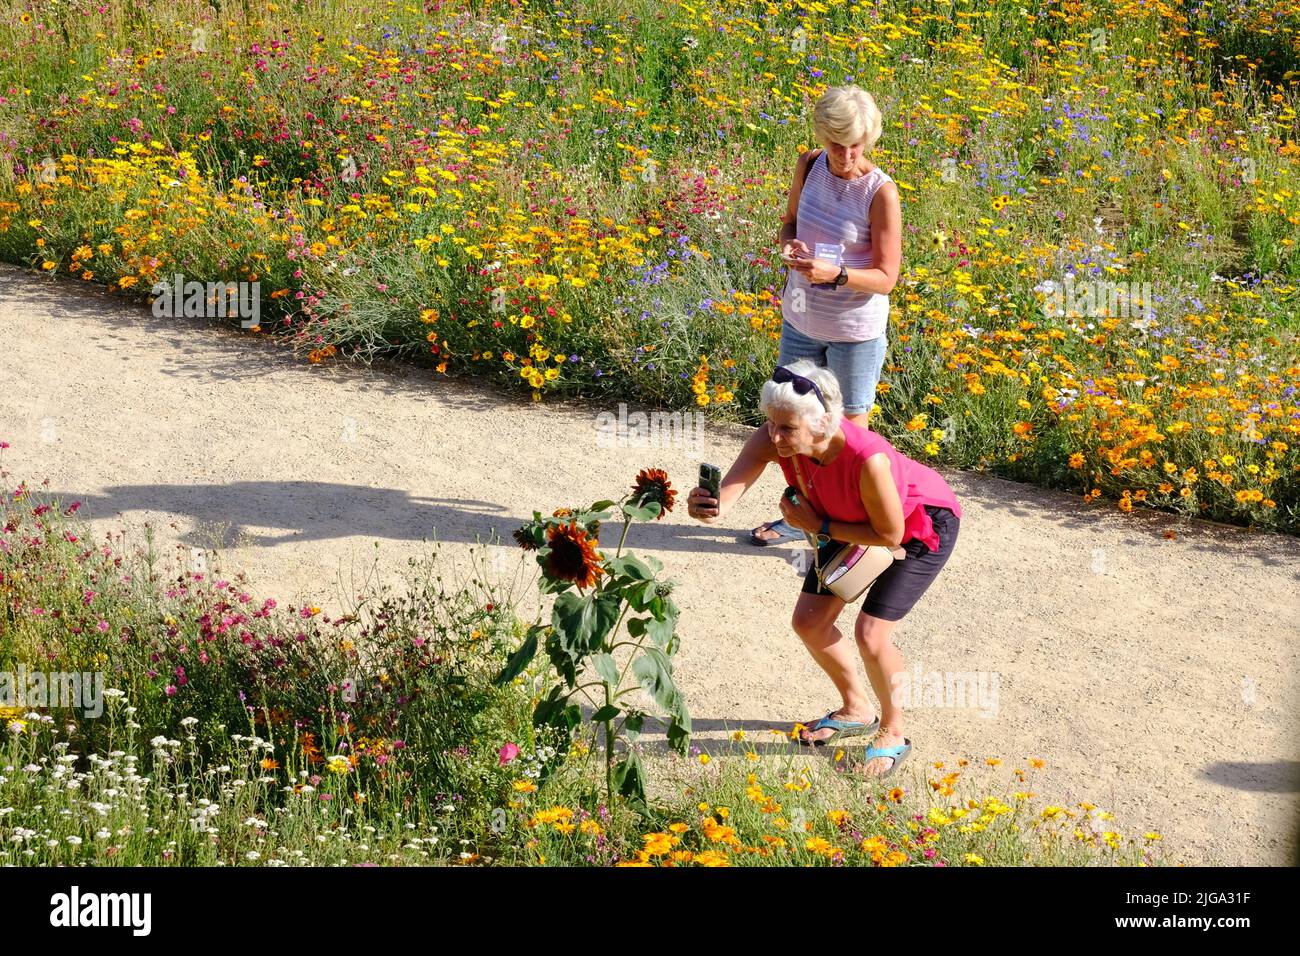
<point x="1157" y="677"/>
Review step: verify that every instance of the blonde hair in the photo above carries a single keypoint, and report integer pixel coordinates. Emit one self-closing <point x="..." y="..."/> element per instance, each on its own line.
<point x="782" y="396"/>
<point x="847" y="115"/>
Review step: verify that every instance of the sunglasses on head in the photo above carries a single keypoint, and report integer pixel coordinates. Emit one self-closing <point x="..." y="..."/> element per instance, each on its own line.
<point x="802" y="386"/>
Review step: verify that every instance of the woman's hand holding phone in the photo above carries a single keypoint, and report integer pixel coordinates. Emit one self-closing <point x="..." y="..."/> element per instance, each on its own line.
<point x="703" y="501"/>
<point x="795" y="253"/>
<point x="702" y="505"/>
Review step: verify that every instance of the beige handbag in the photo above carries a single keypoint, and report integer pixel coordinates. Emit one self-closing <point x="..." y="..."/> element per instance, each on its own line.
<point x="853" y="568"/>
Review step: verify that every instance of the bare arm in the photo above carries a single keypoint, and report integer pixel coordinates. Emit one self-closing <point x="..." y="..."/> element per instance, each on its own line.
<point x="886" y="245"/>
<point x="757" y="454"/>
<point x="884" y="508"/>
<point x="789" y="224"/>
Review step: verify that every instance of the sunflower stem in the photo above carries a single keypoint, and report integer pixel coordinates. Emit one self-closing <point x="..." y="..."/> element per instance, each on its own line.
<point x="609" y="754"/>
<point x="627" y="524"/>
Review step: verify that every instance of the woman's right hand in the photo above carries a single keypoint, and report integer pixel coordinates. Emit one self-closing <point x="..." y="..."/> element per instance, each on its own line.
<point x="796" y="249"/>
<point x="701" y="505"/>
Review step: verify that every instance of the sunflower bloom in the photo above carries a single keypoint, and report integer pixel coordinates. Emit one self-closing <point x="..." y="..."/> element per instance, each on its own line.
<point x="573" y="555"/>
<point x="652" y="485"/>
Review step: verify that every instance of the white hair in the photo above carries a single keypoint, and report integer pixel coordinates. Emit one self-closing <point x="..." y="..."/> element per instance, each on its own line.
<point x="782" y="396"/>
<point x="847" y="115"/>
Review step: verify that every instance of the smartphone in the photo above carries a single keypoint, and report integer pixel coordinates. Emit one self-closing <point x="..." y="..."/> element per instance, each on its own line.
<point x="711" y="479"/>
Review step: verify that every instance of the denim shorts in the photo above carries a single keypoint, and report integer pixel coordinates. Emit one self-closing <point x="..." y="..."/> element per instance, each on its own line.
<point x="856" y="365"/>
<point x="901" y="585"/>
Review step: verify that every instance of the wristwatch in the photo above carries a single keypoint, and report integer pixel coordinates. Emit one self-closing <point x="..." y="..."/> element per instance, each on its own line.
<point x="826" y="530"/>
<point x="843" y="277"/>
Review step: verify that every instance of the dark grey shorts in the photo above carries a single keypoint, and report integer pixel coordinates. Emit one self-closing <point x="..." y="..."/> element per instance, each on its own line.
<point x="894" y="593"/>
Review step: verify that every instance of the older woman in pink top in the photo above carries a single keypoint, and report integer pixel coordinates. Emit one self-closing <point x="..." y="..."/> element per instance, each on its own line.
<point x="854" y="487"/>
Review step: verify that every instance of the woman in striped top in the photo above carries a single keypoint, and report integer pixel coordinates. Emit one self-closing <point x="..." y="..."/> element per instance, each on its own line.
<point x="841" y="237"/>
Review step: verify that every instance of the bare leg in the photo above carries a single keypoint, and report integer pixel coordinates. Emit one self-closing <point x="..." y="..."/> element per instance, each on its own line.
<point x="814" y="622"/>
<point x="883" y="660"/>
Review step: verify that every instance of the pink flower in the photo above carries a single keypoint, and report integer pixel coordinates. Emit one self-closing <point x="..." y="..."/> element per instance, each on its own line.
<point x="508" y="753"/>
<point x="102" y="626"/>
<point x="171" y="690"/>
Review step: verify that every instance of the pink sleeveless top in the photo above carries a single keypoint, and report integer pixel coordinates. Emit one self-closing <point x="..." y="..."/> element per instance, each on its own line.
<point x="834" y="489"/>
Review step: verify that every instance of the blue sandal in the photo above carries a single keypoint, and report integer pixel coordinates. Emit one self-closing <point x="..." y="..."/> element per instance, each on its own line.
<point x="899" y="753"/>
<point x="842" y="728"/>
<point x="782" y="527"/>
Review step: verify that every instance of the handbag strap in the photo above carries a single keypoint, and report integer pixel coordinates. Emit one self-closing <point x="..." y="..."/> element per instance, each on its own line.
<point x="807" y="169"/>
<point x="798" y="473"/>
<point x="812" y="541"/>
<point x="803" y="182"/>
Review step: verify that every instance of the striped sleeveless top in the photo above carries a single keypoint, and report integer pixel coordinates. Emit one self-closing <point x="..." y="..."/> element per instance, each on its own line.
<point x="835" y="212"/>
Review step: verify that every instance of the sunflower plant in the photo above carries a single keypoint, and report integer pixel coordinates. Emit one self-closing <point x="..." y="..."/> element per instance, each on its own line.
<point x="605" y="605"/>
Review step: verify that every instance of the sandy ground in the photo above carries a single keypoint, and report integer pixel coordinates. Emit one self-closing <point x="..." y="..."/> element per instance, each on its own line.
<point x="1156" y="677"/>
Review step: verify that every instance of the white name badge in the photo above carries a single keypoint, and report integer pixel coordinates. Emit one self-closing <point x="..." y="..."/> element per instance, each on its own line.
<point x="831" y="251"/>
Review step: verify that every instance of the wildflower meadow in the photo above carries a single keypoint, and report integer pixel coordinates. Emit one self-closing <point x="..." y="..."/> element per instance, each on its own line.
<point x="1099" y="293"/>
<point x="1101" y="204"/>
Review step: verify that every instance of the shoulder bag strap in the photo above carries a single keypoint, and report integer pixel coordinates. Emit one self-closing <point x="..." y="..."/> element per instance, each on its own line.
<point x="798" y="473"/>
<point x="812" y="541"/>
<point x="807" y="169"/>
